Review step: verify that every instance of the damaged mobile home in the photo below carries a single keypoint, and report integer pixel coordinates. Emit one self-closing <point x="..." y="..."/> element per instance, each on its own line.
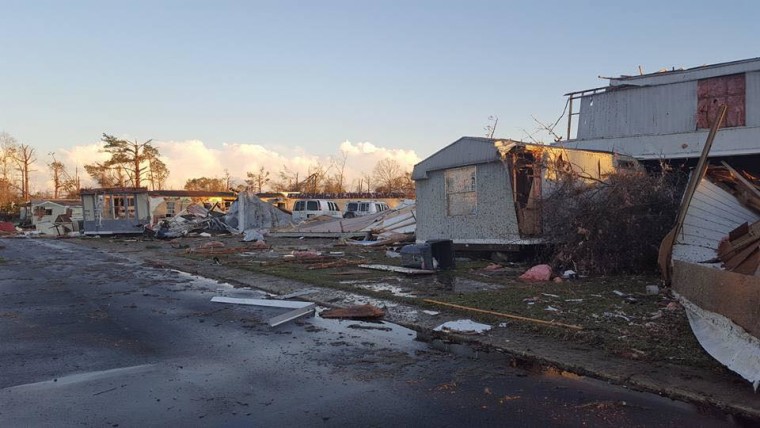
<point x="131" y="210"/>
<point x="666" y="115"/>
<point x="712" y="260"/>
<point x="485" y="193"/>
<point x="56" y="216"/>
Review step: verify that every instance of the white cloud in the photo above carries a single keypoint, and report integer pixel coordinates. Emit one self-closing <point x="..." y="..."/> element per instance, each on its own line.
<point x="193" y="158"/>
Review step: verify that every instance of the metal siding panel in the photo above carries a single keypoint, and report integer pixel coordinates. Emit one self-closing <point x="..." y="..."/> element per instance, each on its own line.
<point x="752" y="99"/>
<point x="728" y="142"/>
<point x="665" y="109"/>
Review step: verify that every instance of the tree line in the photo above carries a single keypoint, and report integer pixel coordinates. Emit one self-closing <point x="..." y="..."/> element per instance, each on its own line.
<point x="138" y="164"/>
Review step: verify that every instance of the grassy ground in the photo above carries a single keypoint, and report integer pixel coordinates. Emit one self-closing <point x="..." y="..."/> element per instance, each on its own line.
<point x="615" y="313"/>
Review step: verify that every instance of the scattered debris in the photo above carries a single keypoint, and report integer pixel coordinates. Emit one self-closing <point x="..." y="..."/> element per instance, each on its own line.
<point x="399" y="269"/>
<point x="354" y="312"/>
<point x="393" y="254"/>
<point x="499" y="314"/>
<point x="569" y="274"/>
<point x="551" y="309"/>
<point x="463" y="326"/>
<point x="431" y="313"/>
<point x="369" y="327"/>
<point x="538" y="273"/>
<point x="299" y="309"/>
<point x="653" y="289"/>
<point x="289" y="316"/>
<point x="253" y="235"/>
<point x="7" y="227"/>
<point x="271" y="303"/>
<point x="298" y="293"/>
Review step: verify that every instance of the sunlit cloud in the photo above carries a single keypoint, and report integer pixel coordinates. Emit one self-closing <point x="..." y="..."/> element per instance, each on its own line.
<point x="193" y="159"/>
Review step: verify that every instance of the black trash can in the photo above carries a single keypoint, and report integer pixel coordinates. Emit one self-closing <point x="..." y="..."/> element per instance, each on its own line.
<point x="442" y="251"/>
<point x="417" y="256"/>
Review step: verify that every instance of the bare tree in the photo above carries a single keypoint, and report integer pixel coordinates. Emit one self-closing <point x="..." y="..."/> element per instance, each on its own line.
<point x="9" y="188"/>
<point x="24" y="159"/>
<point x="339" y="165"/>
<point x="256" y="181"/>
<point x="388" y="174"/>
<point x="491" y="127"/>
<point x="57" y="170"/>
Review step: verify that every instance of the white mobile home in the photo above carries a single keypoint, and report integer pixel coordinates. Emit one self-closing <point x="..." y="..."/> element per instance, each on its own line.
<point x="56" y="216"/>
<point x="667" y="115"/>
<point x="486" y="192"/>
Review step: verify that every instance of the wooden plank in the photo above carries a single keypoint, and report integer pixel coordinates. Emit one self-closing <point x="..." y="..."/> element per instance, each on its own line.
<point x="750" y="264"/>
<point x="747" y="185"/>
<point x="699" y="170"/>
<point x="503" y="315"/>
<point x="737" y="259"/>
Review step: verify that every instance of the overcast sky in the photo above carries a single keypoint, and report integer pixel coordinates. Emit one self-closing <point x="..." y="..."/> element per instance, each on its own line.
<point x="230" y="83"/>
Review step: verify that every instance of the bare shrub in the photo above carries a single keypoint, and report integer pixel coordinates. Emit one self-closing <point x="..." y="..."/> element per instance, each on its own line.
<point x="614" y="226"/>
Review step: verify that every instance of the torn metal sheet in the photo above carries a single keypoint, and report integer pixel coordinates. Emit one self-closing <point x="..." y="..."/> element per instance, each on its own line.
<point x="299" y="308"/>
<point x="291" y="315"/>
<point x="398" y="269"/>
<point x="271" y="303"/>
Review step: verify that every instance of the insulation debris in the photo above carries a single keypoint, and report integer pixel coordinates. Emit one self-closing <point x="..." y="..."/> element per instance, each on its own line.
<point x="463" y="327"/>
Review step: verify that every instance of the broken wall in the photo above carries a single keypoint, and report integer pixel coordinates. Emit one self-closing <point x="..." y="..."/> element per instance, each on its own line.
<point x="250" y="212"/>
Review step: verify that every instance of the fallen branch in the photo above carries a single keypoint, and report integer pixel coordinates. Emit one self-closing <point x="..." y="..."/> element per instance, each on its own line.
<point x="503" y="315"/>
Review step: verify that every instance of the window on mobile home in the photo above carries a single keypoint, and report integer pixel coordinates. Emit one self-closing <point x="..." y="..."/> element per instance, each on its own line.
<point x="461" y="191"/>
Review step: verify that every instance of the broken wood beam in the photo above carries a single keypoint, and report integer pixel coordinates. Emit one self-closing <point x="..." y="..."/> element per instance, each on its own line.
<point x="503" y="315"/>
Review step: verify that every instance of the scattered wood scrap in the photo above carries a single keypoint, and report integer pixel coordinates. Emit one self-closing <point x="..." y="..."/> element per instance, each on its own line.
<point x="354" y="312"/>
<point x="740" y="250"/>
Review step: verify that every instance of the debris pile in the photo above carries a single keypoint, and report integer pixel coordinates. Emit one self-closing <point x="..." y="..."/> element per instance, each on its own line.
<point x="740" y="250"/>
<point x="194" y="218"/>
<point x="390" y="226"/>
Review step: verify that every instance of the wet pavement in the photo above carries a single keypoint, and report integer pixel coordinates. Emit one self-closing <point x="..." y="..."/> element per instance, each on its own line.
<point x="92" y="339"/>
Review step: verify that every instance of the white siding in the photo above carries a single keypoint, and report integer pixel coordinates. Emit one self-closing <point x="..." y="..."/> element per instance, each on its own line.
<point x="712" y="214"/>
<point x="665" y="109"/>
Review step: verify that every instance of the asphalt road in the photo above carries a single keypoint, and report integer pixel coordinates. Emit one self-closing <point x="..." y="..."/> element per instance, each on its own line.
<point x="91" y="339"/>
